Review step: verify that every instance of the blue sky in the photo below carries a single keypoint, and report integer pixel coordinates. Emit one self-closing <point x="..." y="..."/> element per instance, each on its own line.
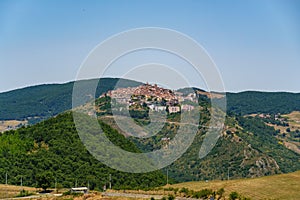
<point x="255" y="44"/>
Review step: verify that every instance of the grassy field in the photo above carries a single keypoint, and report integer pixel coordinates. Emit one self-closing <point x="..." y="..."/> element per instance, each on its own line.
<point x="294" y="124"/>
<point x="9" y="191"/>
<point x="10" y="123"/>
<point x="293" y="119"/>
<point x="284" y="186"/>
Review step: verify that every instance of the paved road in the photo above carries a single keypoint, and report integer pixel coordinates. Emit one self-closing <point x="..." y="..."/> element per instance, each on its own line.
<point x="141" y="196"/>
<point x="109" y="194"/>
<point x="119" y="194"/>
<point x="33" y="196"/>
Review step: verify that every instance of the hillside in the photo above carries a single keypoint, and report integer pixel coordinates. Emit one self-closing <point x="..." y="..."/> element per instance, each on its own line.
<point x="53" y="147"/>
<point x="40" y="102"/>
<point x="287" y="128"/>
<point x="247" y="148"/>
<point x="248" y="151"/>
<point x="252" y="102"/>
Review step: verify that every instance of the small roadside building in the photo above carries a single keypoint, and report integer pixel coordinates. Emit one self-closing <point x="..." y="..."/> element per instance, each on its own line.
<point x="174" y="109"/>
<point x="83" y="190"/>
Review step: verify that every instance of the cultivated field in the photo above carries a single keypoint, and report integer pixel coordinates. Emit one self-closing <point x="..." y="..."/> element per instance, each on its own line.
<point x="9" y="191"/>
<point x="284" y="186"/>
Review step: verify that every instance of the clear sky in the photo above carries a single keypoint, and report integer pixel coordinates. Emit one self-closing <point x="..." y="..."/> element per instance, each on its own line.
<point x="255" y="43"/>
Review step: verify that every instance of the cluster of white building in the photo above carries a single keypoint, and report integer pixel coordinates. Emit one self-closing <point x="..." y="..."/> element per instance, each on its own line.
<point x="156" y="98"/>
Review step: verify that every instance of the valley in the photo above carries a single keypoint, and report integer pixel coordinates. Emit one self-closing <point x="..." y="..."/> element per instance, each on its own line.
<point x="256" y="144"/>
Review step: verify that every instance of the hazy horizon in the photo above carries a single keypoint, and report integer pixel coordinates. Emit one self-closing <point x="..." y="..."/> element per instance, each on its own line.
<point x="49" y="83"/>
<point x="255" y="44"/>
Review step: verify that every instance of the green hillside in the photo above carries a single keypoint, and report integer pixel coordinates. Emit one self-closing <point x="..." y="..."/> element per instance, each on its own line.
<point x="252" y="102"/>
<point x="53" y="147"/>
<point x="40" y="102"/>
<point x="247" y="148"/>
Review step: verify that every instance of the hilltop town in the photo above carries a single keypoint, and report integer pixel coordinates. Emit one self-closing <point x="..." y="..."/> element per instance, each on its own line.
<point x="154" y="97"/>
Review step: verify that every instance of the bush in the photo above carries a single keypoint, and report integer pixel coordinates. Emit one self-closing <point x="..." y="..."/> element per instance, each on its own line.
<point x="176" y="190"/>
<point x="169" y="189"/>
<point x="171" y="197"/>
<point x="205" y="193"/>
<point x="24" y="193"/>
<point x="184" y="190"/>
<point x="220" y="193"/>
<point x="67" y="193"/>
<point x="233" y="196"/>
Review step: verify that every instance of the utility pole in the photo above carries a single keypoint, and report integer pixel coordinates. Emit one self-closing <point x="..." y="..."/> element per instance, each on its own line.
<point x="56" y="185"/>
<point x="228" y="173"/>
<point x="76" y="183"/>
<point x="104" y="187"/>
<point x="21" y="181"/>
<point x="109" y="181"/>
<point x="6" y="178"/>
<point x="88" y="185"/>
<point x="167" y="176"/>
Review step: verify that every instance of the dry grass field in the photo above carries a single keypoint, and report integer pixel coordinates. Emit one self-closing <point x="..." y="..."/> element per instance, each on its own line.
<point x="294" y="119"/>
<point x="294" y="124"/>
<point x="284" y="186"/>
<point x="10" y="123"/>
<point x="9" y="191"/>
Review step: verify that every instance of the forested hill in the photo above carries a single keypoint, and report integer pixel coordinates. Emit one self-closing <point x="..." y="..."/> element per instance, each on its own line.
<point x="262" y="102"/>
<point x="40" y="102"/>
<point x="53" y="148"/>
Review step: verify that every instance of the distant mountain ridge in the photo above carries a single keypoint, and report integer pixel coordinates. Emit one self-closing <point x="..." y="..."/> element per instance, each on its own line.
<point x="36" y="103"/>
<point x="251" y="102"/>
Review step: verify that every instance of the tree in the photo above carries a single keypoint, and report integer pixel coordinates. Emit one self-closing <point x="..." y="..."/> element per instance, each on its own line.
<point x="284" y="134"/>
<point x="44" y="180"/>
<point x="59" y="186"/>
